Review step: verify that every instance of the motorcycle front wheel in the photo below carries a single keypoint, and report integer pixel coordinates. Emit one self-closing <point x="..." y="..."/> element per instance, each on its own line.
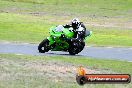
<point x="43" y="46"/>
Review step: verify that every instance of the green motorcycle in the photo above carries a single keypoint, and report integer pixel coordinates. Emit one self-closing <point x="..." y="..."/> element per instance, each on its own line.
<point x="62" y="40"/>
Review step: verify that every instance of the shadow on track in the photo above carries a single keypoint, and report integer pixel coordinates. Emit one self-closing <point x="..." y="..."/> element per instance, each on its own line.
<point x="62" y="54"/>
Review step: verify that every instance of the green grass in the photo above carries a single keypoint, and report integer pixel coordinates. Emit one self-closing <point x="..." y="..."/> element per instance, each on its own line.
<point x="114" y="65"/>
<point x="110" y="37"/>
<point x="104" y="7"/>
<point x="39" y="80"/>
<point x="31" y="29"/>
<point x="22" y="28"/>
<point x="29" y="20"/>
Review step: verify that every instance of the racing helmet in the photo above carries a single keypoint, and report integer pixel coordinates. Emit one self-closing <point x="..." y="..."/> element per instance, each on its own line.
<point x="75" y="23"/>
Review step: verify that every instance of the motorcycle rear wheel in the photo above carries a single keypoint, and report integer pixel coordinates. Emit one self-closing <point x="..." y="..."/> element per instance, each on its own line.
<point x="76" y="47"/>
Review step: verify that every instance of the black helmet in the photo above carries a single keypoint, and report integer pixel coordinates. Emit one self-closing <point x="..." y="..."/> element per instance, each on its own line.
<point x="75" y="23"/>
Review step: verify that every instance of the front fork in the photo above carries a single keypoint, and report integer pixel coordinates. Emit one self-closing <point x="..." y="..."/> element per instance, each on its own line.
<point x="51" y="41"/>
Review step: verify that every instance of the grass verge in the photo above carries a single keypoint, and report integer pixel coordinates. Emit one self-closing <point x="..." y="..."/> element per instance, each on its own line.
<point x="115" y="65"/>
<point x="37" y="71"/>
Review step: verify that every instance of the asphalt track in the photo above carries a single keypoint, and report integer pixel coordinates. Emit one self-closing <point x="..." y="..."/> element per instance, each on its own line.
<point x="95" y="52"/>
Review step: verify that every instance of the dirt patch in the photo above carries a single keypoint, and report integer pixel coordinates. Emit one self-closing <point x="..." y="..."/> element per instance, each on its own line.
<point x="111" y="24"/>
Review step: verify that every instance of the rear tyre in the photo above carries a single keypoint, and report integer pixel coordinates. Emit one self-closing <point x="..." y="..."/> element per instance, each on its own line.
<point x="81" y="46"/>
<point x="76" y="47"/>
<point x="43" y="46"/>
<point x="73" y="49"/>
<point x="72" y="53"/>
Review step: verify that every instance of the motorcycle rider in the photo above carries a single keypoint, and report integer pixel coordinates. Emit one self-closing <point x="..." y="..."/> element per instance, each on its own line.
<point x="79" y="28"/>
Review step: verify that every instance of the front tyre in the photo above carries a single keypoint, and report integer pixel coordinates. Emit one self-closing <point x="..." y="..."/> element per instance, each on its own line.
<point x="43" y="46"/>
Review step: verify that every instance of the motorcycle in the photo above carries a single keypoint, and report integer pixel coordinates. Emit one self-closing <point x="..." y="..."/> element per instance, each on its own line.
<point x="61" y="39"/>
